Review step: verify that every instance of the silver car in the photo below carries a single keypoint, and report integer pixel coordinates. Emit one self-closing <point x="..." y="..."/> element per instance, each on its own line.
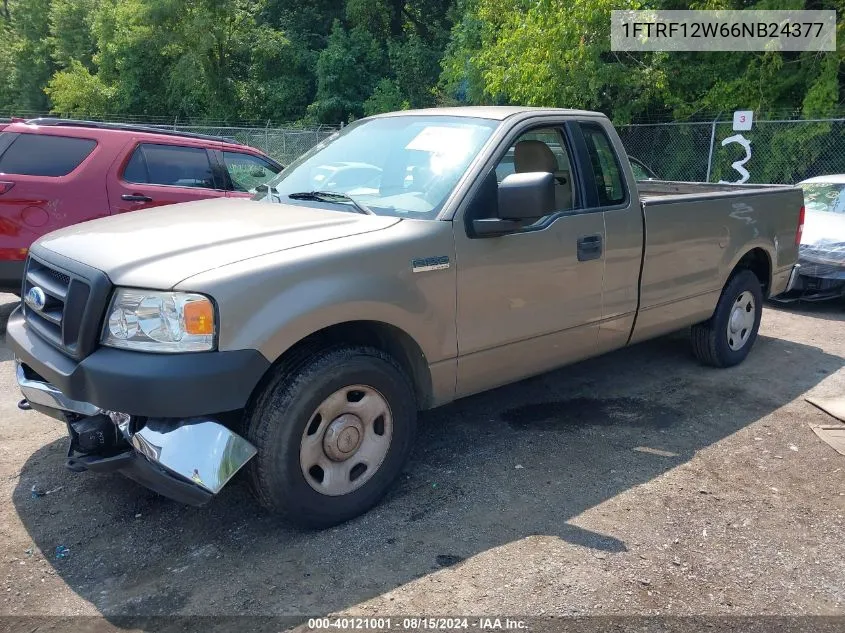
<point x="822" y="250"/>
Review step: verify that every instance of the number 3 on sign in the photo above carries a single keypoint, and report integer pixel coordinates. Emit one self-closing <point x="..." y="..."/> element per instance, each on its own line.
<point x="738" y="165"/>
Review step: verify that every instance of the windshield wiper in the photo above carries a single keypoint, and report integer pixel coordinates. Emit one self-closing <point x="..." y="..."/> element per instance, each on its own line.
<point x="331" y="196"/>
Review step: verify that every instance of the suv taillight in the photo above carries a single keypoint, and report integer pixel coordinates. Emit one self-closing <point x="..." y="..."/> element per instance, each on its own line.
<point x="800" y="230"/>
<point x="5" y="186"/>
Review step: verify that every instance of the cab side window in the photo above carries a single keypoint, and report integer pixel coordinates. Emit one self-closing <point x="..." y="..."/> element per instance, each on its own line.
<point x="606" y="170"/>
<point x="543" y="149"/>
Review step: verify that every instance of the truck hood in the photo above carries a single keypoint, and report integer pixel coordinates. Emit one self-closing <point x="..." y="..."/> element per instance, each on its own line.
<point x="158" y="248"/>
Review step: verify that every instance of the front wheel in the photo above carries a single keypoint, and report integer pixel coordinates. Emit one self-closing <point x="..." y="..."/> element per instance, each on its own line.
<point x="333" y="430"/>
<point x="725" y="339"/>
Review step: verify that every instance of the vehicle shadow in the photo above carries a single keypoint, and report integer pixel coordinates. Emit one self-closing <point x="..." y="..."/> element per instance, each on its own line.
<point x="488" y="470"/>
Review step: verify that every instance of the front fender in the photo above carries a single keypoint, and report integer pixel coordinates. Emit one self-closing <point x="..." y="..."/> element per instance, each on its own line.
<point x="271" y="302"/>
<point x="308" y="307"/>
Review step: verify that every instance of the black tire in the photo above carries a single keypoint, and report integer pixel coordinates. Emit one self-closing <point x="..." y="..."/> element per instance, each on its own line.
<point x="710" y="341"/>
<point x="276" y="421"/>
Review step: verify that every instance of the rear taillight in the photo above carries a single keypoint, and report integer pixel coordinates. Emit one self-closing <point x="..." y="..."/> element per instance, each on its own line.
<point x="800" y="230"/>
<point x="5" y="186"/>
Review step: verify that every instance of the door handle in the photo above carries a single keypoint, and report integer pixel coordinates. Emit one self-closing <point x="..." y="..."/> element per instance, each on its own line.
<point x="135" y="197"/>
<point x="589" y="247"/>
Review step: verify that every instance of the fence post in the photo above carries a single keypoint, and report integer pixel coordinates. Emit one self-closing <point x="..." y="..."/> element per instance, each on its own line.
<point x="267" y="138"/>
<point x="712" y="141"/>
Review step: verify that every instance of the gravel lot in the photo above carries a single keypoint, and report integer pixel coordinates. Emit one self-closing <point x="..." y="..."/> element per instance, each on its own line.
<point x="638" y="482"/>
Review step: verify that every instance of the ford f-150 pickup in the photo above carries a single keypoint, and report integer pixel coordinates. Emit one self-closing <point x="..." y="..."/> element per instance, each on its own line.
<point x="411" y="259"/>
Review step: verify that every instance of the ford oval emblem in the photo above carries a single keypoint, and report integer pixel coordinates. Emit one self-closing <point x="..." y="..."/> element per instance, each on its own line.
<point x="36" y="299"/>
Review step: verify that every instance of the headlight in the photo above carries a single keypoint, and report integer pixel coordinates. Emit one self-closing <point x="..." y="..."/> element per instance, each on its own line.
<point x="152" y="321"/>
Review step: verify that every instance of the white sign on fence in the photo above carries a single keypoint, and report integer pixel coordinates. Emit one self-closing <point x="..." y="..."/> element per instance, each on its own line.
<point x="743" y="120"/>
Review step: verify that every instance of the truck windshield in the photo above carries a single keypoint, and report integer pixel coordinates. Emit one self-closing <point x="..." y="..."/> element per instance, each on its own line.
<point x="405" y="166"/>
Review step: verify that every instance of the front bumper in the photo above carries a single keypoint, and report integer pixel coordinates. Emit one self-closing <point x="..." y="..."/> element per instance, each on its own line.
<point x="188" y="460"/>
<point x="142" y="384"/>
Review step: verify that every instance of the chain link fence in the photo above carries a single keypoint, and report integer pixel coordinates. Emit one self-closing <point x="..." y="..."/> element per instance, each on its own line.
<point x="283" y="144"/>
<point x="780" y="152"/>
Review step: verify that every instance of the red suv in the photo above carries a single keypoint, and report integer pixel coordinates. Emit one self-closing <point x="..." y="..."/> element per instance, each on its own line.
<point x="54" y="173"/>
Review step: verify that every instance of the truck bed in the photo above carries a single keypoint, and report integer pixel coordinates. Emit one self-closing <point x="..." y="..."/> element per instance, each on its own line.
<point x="694" y="235"/>
<point x="659" y="190"/>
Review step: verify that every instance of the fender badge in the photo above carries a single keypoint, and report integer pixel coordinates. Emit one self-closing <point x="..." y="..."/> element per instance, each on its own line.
<point x="425" y="264"/>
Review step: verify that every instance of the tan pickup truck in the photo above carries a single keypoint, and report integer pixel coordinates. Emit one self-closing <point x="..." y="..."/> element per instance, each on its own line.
<point x="411" y="259"/>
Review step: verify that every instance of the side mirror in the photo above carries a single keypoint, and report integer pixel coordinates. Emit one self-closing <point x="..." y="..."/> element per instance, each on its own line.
<point x="521" y="197"/>
<point x="526" y="195"/>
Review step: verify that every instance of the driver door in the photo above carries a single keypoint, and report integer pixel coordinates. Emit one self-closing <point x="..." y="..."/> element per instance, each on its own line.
<point x="532" y="300"/>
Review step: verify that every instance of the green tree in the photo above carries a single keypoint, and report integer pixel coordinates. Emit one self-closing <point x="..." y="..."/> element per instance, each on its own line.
<point x="347" y="73"/>
<point x="7" y="66"/>
<point x="30" y="54"/>
<point x="387" y="97"/>
<point x="554" y="53"/>
<point x="547" y="53"/>
<point x="71" y="31"/>
<point x="75" y="91"/>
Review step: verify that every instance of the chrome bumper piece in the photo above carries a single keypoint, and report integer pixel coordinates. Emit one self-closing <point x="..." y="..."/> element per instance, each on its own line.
<point x="46" y="395"/>
<point x="197" y="450"/>
<point x="793" y="276"/>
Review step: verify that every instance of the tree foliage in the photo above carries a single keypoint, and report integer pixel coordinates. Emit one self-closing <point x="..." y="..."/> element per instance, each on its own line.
<point x="335" y="60"/>
<point x="556" y="53"/>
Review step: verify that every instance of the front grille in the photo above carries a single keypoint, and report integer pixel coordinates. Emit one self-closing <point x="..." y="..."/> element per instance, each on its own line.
<point x="75" y="300"/>
<point x="58" y="276"/>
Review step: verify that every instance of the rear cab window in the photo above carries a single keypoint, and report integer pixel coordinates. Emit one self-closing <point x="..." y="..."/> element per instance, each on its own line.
<point x="42" y="154"/>
<point x="170" y="165"/>
<point x="610" y="186"/>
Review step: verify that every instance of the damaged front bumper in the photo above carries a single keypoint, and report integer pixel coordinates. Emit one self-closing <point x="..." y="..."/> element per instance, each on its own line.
<point x="188" y="460"/>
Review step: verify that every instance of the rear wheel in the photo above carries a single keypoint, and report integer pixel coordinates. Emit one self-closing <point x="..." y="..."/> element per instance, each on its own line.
<point x="333" y="430"/>
<point x="726" y="338"/>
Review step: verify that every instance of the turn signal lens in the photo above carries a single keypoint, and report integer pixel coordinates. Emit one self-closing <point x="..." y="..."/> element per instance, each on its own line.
<point x="800" y="231"/>
<point x="199" y="317"/>
<point x="5" y="186"/>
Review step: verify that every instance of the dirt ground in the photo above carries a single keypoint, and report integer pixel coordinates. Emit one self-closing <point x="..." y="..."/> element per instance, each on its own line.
<point x="635" y="483"/>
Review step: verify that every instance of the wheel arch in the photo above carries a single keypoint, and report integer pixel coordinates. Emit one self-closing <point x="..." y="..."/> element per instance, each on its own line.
<point x="759" y="261"/>
<point x="385" y="337"/>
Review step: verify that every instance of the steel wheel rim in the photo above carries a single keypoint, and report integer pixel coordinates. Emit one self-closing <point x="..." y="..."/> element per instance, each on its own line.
<point x="346" y="440"/>
<point x="741" y="320"/>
